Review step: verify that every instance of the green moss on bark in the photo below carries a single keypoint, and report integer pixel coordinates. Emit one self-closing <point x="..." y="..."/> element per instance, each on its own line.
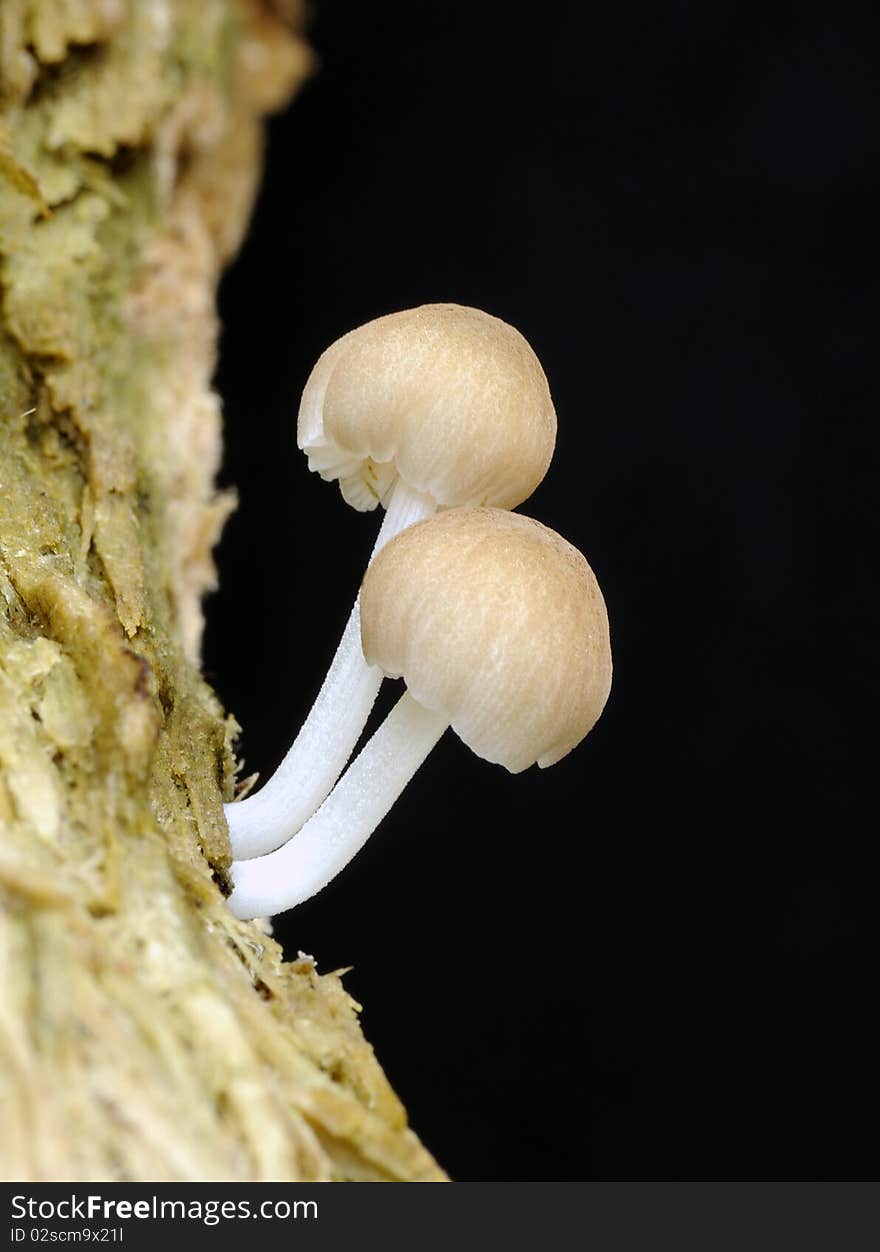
<point x="144" y="1032"/>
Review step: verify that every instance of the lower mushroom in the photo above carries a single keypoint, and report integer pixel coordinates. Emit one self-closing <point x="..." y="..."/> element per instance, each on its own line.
<point x="499" y="629"/>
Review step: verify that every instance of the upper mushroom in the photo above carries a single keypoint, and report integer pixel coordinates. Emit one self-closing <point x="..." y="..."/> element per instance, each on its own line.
<point x="448" y="398"/>
<point x="432" y="407"/>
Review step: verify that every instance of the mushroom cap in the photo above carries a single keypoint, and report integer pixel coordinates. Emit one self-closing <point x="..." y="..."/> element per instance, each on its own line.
<point x="496" y="622"/>
<point x="451" y="399"/>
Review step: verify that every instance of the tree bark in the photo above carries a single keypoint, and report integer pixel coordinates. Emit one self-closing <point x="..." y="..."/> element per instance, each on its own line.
<point x="144" y="1032"/>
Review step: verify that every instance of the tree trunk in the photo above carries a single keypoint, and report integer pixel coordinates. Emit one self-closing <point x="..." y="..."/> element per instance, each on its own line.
<point x="144" y="1033"/>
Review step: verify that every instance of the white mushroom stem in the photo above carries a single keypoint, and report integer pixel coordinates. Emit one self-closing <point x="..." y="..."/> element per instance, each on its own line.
<point x="303" y="780"/>
<point x="344" y="822"/>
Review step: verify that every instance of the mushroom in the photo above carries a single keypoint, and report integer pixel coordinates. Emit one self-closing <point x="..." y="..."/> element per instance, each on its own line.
<point x="432" y="407"/>
<point x="499" y="629"/>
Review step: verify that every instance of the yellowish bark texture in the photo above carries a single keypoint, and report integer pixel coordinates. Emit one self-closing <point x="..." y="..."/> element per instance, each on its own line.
<point x="144" y="1033"/>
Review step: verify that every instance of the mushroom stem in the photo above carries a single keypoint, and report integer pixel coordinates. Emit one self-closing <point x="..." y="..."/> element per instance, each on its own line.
<point x="305" y="777"/>
<point x="344" y="822"/>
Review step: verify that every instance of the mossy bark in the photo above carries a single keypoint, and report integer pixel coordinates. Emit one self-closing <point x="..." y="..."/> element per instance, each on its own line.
<point x="144" y="1033"/>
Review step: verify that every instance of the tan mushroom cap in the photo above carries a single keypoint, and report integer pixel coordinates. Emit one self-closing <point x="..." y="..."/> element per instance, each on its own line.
<point x="449" y="398"/>
<point x="496" y="622"/>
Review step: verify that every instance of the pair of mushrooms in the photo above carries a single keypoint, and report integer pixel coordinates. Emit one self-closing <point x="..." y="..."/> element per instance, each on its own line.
<point x="495" y="622"/>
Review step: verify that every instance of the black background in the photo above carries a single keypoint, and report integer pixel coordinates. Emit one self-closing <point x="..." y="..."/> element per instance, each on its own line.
<point x="657" y="959"/>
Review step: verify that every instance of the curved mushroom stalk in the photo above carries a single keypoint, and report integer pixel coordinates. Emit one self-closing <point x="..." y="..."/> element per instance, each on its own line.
<point x="344" y="822"/>
<point x="321" y="750"/>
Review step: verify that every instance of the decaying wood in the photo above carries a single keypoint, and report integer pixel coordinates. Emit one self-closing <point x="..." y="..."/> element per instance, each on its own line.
<point x="144" y="1033"/>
